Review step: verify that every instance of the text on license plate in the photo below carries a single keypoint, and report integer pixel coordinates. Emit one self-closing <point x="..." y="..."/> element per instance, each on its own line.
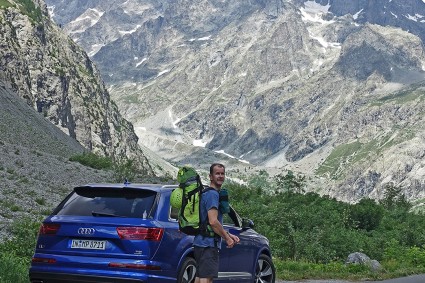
<point x="88" y="244"/>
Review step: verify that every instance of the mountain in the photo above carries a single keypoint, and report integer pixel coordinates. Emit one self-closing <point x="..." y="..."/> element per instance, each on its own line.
<point x="55" y="76"/>
<point x="330" y="89"/>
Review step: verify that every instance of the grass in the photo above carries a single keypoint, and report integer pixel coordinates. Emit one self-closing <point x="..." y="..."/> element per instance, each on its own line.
<point x="92" y="160"/>
<point x="28" y="8"/>
<point x="402" y="97"/>
<point x="10" y="205"/>
<point x="40" y="201"/>
<point x="345" y="155"/>
<point x="5" y="4"/>
<point x="299" y="270"/>
<point x="16" y="252"/>
<point x="14" y="269"/>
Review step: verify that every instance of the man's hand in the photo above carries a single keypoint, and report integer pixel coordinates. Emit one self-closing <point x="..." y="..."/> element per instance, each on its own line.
<point x="231" y="240"/>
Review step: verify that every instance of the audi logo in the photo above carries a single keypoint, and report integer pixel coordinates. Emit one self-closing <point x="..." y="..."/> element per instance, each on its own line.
<point x="86" y="231"/>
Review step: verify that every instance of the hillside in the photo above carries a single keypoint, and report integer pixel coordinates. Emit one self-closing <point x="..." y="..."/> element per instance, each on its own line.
<point x="35" y="173"/>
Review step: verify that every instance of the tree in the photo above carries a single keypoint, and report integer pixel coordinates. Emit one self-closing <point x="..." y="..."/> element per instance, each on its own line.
<point x="289" y="182"/>
<point x="366" y="214"/>
<point x="394" y="198"/>
<point x="259" y="181"/>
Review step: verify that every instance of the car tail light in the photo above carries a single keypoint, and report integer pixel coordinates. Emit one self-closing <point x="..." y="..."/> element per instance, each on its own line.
<point x="140" y="233"/>
<point x="48" y="229"/>
<point x="134" y="266"/>
<point x="43" y="260"/>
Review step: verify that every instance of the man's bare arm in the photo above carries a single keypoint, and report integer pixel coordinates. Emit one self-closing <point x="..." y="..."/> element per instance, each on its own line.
<point x="218" y="228"/>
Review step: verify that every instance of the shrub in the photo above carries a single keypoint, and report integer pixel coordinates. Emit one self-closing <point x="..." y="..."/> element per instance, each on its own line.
<point x="125" y="170"/>
<point x="13" y="268"/>
<point x="16" y="253"/>
<point x="366" y="214"/>
<point x="320" y="229"/>
<point x="92" y="160"/>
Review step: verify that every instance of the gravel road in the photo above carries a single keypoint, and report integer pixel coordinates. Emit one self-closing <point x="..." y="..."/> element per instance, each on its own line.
<point x="409" y="279"/>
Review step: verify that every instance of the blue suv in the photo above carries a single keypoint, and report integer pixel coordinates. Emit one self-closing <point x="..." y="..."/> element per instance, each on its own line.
<point x="129" y="233"/>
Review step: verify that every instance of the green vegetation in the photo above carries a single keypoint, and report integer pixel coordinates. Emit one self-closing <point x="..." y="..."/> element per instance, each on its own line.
<point x="125" y="169"/>
<point x="345" y="156"/>
<point x="132" y="98"/>
<point x="40" y="201"/>
<point x="310" y="235"/>
<point x="404" y="96"/>
<point x="5" y="4"/>
<point x="92" y="160"/>
<point x="86" y="72"/>
<point x="15" y="253"/>
<point x="28" y="8"/>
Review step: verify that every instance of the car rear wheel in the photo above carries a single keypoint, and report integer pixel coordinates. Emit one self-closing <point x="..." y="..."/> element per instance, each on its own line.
<point x="265" y="270"/>
<point x="187" y="271"/>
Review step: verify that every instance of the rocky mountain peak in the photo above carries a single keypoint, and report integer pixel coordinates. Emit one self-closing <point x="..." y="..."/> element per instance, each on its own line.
<point x="57" y="78"/>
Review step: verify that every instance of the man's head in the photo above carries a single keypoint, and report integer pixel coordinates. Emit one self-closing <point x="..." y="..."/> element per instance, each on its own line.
<point x="217" y="175"/>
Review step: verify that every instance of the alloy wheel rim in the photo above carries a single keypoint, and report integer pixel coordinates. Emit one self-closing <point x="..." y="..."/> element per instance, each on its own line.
<point x="189" y="274"/>
<point x="264" y="272"/>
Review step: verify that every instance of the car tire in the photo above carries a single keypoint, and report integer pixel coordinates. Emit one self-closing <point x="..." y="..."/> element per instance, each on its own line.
<point x="187" y="271"/>
<point x="265" y="271"/>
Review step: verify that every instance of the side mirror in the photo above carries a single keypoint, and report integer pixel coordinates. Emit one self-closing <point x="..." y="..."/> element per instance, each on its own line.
<point x="247" y="223"/>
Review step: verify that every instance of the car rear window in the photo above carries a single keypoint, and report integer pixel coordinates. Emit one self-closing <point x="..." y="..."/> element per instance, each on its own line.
<point x="107" y="202"/>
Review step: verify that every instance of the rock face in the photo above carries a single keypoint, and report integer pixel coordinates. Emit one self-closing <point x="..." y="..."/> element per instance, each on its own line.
<point x="57" y="78"/>
<point x="407" y="15"/>
<point x="329" y="89"/>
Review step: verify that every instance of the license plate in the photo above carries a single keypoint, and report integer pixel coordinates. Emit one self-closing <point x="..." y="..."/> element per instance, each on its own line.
<point x="88" y="244"/>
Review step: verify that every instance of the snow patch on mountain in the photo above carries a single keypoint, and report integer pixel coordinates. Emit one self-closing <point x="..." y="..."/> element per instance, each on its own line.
<point x="174" y="122"/>
<point x="356" y="15"/>
<point x="51" y="10"/>
<point x="163" y="72"/>
<point x="205" y="38"/>
<point x="124" y="32"/>
<point x="88" y="19"/>
<point x="199" y="143"/>
<point x="312" y="12"/>
<point x="131" y="7"/>
<point x="415" y="18"/>
<point x="231" y="156"/>
<point x="94" y="49"/>
<point x="141" y="62"/>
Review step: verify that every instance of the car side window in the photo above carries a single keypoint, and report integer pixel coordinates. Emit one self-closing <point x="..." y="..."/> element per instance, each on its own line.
<point x="227" y="220"/>
<point x="174" y="213"/>
<point x="232" y="218"/>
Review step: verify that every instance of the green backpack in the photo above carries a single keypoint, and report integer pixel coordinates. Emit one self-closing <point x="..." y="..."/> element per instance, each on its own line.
<point x="187" y="198"/>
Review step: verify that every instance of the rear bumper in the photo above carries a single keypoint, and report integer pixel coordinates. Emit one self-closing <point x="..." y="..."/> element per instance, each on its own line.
<point x="80" y="269"/>
<point x="49" y="277"/>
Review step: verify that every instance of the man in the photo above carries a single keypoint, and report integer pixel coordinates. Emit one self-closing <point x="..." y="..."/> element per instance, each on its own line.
<point x="206" y="247"/>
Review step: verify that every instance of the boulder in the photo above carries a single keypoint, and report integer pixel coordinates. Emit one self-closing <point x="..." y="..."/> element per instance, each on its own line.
<point x="361" y="258"/>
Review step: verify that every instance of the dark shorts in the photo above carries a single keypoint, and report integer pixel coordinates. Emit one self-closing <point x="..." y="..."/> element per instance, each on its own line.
<point x="206" y="262"/>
